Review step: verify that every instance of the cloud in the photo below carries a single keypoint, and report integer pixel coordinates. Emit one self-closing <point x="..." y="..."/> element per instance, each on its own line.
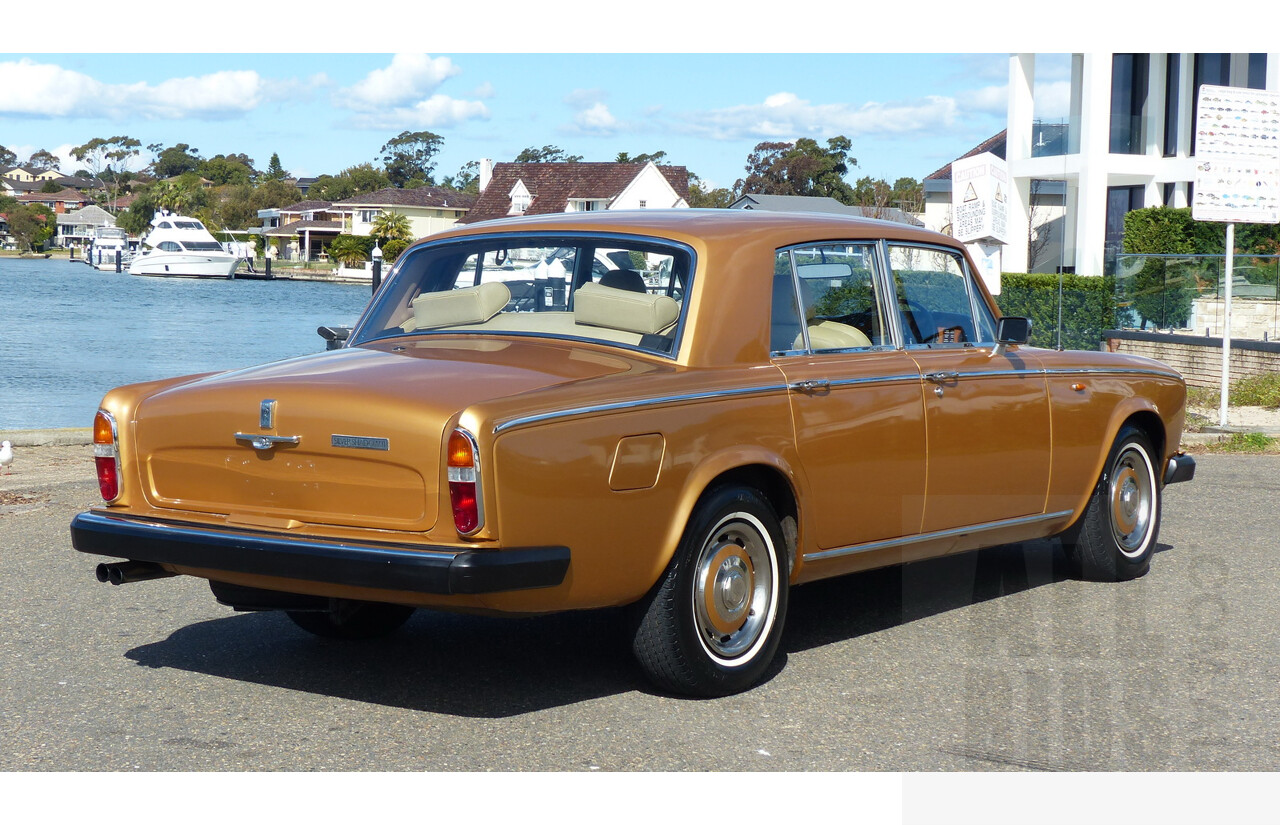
<point x="434" y="112"/>
<point x="410" y="77"/>
<point x="403" y="96"/>
<point x="47" y="90"/>
<point x="785" y="116"/>
<point x="591" y="114"/>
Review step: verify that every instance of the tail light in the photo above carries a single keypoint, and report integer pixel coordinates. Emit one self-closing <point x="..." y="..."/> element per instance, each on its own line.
<point x="464" y="482"/>
<point x="106" y="455"/>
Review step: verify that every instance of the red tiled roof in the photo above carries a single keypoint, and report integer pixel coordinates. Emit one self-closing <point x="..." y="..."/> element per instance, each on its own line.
<point x="552" y="185"/>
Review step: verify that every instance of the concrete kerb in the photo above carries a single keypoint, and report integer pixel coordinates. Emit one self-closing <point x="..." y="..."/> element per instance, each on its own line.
<point x="69" y="437"/>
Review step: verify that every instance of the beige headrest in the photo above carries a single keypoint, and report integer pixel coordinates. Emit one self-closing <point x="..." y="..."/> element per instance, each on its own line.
<point x="602" y="306"/>
<point x="458" y="307"/>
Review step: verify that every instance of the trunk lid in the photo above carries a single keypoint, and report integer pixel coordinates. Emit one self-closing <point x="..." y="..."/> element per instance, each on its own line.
<point x="368" y="422"/>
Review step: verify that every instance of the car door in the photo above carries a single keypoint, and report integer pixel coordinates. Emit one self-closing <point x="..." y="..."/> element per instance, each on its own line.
<point x="855" y="398"/>
<point x="986" y="411"/>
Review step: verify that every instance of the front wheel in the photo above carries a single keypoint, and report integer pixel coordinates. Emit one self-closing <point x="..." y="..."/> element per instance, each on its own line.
<point x="350" y="619"/>
<point x="713" y="623"/>
<point x="1116" y="537"/>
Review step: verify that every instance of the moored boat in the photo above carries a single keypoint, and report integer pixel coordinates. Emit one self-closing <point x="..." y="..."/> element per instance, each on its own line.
<point x="179" y="246"/>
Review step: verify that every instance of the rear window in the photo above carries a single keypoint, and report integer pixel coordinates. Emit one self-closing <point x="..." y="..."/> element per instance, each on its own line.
<point x="621" y="291"/>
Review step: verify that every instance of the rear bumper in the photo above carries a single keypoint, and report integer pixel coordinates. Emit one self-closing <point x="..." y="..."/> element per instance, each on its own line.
<point x="425" y="569"/>
<point x="1181" y="467"/>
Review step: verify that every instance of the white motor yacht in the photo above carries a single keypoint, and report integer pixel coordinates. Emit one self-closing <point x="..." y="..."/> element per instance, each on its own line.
<point x="181" y="247"/>
<point x="107" y="241"/>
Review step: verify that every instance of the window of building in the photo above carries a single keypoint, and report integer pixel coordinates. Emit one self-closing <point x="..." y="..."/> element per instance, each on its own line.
<point x="1214" y="69"/>
<point x="1172" y="79"/>
<point x="1128" y="103"/>
<point x="1121" y="200"/>
<point x="1257" y="71"/>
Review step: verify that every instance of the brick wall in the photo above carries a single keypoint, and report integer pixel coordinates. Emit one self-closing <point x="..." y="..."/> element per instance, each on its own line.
<point x="1198" y="359"/>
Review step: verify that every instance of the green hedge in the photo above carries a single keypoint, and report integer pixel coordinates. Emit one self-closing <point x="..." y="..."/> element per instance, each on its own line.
<point x="1088" y="307"/>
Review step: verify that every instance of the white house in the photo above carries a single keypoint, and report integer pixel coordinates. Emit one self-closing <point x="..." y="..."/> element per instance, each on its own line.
<point x="542" y="188"/>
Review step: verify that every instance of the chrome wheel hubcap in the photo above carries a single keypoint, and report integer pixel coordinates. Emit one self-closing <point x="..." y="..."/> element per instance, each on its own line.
<point x="1132" y="496"/>
<point x="735" y="595"/>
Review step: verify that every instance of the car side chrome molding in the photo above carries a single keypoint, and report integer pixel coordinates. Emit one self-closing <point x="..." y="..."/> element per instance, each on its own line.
<point x="646" y="403"/>
<point x="641" y="403"/>
<point x="954" y="532"/>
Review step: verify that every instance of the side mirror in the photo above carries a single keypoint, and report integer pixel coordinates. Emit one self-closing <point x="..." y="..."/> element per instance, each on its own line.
<point x="1011" y="330"/>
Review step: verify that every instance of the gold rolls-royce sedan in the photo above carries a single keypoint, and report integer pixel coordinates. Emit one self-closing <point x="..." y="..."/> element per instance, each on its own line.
<point x="684" y="411"/>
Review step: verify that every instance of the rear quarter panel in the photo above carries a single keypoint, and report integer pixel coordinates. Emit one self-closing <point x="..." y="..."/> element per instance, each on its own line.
<point x="552" y="480"/>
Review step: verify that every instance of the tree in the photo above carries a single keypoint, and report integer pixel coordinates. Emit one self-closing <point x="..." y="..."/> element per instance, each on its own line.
<point x="349" y="250"/>
<point x="274" y="194"/>
<point x="31" y="225"/>
<point x="355" y="180"/>
<point x="391" y="226"/>
<point x="99" y="154"/>
<point x="467" y="179"/>
<point x="908" y="195"/>
<point x="409" y="156"/>
<point x="176" y="160"/>
<point x="656" y="157"/>
<point x="547" y="154"/>
<point x="700" y="198"/>
<point x="221" y="170"/>
<point x="43" y="160"/>
<point x="274" y="170"/>
<point x="874" y="194"/>
<point x="7" y="157"/>
<point x="1157" y="292"/>
<point x="800" y="168"/>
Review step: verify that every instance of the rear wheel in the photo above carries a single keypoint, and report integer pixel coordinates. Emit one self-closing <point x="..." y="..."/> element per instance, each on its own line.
<point x="1116" y="537"/>
<point x="713" y="623"/>
<point x="350" y="619"/>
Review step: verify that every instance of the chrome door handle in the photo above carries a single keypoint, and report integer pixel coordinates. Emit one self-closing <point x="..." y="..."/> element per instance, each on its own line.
<point x="941" y="377"/>
<point x="813" y="385"/>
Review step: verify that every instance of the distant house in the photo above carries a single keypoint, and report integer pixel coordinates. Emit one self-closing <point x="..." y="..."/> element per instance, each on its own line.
<point x="67" y="200"/>
<point x="430" y="209"/>
<point x="508" y="189"/>
<point x="302" y="231"/>
<point x="802" y="203"/>
<point x="77" y="228"/>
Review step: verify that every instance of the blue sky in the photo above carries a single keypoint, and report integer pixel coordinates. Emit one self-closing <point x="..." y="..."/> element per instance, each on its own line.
<point x="906" y="114"/>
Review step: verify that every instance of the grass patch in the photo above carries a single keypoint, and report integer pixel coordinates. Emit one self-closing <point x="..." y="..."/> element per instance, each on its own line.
<point x="1256" y="391"/>
<point x="1256" y="443"/>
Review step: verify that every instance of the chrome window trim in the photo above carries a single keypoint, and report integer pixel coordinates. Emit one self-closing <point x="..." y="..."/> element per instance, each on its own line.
<point x="573" y="412"/>
<point x="953" y="532"/>
<point x="872" y="247"/>
<point x="577" y="234"/>
<point x="971" y="293"/>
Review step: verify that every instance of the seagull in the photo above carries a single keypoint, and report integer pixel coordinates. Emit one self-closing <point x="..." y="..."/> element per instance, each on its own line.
<point x="6" y="457"/>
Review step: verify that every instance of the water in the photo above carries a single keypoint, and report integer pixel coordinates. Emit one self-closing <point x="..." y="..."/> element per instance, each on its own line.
<point x="69" y="333"/>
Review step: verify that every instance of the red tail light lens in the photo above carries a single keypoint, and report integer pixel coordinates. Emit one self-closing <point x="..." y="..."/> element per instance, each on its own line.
<point x="464" y="482"/>
<point x="106" y="455"/>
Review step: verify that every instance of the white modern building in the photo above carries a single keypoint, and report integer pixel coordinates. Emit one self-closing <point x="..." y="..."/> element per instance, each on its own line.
<point x="1129" y="143"/>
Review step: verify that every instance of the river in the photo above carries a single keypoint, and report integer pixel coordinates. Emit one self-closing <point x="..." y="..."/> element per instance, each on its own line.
<point x="69" y="333"/>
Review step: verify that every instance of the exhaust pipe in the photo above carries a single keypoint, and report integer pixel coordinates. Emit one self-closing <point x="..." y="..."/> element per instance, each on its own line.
<point x="131" y="571"/>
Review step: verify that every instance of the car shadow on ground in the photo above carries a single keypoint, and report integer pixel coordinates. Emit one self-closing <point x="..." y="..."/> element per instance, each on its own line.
<point x="484" y="667"/>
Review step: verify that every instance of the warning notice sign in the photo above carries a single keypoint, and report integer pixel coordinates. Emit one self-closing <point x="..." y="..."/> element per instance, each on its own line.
<point x="979" y="199"/>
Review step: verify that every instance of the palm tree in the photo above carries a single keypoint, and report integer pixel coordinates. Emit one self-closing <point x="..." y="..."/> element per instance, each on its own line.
<point x="349" y="250"/>
<point x="391" y="226"/>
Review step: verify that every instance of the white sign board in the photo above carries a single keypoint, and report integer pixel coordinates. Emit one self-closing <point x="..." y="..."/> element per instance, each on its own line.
<point x="1237" y="156"/>
<point x="979" y="199"/>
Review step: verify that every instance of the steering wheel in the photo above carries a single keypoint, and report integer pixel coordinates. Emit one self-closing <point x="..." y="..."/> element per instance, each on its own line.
<point x="918" y="318"/>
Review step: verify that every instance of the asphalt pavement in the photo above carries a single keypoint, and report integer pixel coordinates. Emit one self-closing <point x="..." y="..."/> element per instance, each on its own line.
<point x="991" y="661"/>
